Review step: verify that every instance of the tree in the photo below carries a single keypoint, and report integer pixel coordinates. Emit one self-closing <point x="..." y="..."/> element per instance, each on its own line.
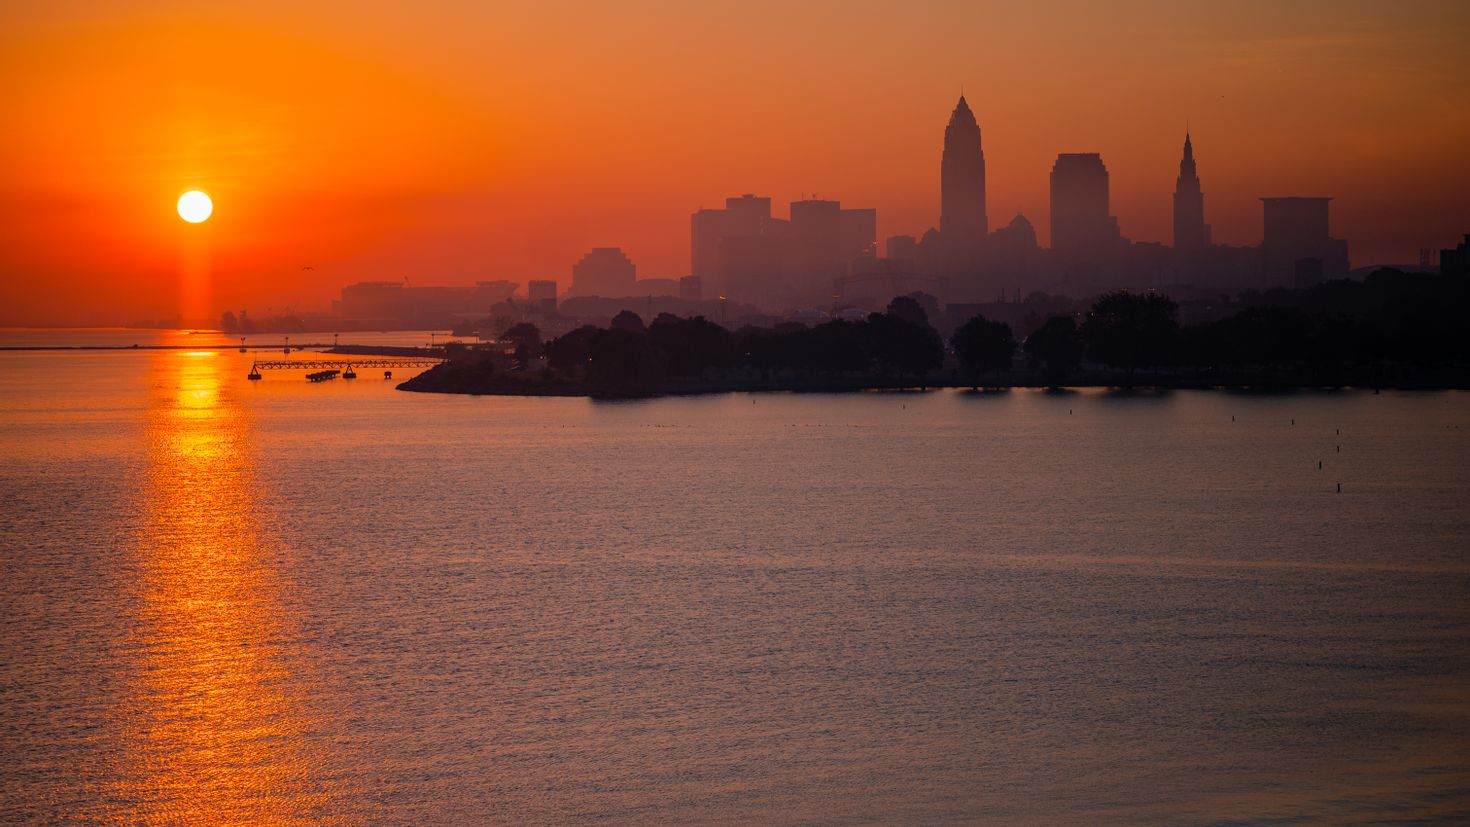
<point x="904" y="347"/>
<point x="1268" y="336"/>
<point x="837" y="347"/>
<point x="627" y="320"/>
<point x="524" y="335"/>
<point x="1055" y="349"/>
<point x="689" y="347"/>
<point x="1128" y="331"/>
<point x="908" y="309"/>
<point x="983" y="346"/>
<point x="928" y="303"/>
<point x="570" y="351"/>
<point x="621" y="363"/>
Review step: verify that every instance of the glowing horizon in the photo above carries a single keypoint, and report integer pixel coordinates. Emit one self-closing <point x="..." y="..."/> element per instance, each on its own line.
<point x="458" y="145"/>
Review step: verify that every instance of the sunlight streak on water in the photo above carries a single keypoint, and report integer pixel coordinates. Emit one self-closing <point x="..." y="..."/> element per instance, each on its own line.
<point x="216" y="729"/>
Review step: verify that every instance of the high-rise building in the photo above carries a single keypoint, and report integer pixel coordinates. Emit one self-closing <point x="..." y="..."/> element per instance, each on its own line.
<point x="743" y="254"/>
<point x="1295" y="229"/>
<point x="816" y="225"/>
<point x="1080" y="222"/>
<point x="541" y="294"/>
<point x="605" y="271"/>
<point x="962" y="222"/>
<point x="1191" y="233"/>
<point x="743" y="217"/>
<point x="859" y="229"/>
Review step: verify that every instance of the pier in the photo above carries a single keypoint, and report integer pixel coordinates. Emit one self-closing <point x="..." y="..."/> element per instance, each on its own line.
<point x="330" y="368"/>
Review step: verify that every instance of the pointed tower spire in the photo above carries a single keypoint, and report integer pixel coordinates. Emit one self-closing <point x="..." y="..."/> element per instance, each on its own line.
<point x="1190" y="230"/>
<point x="962" y="222"/>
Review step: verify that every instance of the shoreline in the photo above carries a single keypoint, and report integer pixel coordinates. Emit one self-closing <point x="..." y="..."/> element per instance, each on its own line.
<point x="427" y="382"/>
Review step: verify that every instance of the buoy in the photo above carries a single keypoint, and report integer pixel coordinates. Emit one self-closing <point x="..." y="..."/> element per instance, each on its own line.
<point x="1232" y="417"/>
<point x="1339" y="488"/>
<point x="1319" y="465"/>
<point x="1339" y="449"/>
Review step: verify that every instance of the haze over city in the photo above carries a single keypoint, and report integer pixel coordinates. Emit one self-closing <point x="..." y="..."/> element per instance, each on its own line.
<point x="780" y="413"/>
<point x="466" y="144"/>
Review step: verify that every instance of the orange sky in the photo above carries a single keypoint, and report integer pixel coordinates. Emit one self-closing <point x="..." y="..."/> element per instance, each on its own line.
<point x="453" y="141"/>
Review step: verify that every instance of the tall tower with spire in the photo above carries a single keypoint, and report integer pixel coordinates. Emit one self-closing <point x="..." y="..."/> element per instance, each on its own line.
<point x="962" y="224"/>
<point x="1190" y="230"/>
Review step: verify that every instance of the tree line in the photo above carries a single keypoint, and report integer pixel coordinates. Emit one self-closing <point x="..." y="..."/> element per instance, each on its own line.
<point x="1315" y="335"/>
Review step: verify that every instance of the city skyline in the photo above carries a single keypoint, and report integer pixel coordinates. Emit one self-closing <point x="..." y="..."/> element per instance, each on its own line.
<point x="1363" y="113"/>
<point x="942" y="412"/>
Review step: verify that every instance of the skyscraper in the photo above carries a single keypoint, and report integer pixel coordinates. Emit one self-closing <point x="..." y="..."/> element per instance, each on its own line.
<point x="1079" y="204"/>
<point x="962" y="224"/>
<point x="744" y="254"/>
<point x="1190" y="230"/>
<point x="541" y="295"/>
<point x="1297" y="229"/>
<point x="743" y="217"/>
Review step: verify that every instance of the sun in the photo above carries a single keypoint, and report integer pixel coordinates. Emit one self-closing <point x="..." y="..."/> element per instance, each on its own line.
<point x="195" y="206"/>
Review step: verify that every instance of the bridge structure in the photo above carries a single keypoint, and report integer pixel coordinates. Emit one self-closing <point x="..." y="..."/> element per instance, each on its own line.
<point x="345" y="366"/>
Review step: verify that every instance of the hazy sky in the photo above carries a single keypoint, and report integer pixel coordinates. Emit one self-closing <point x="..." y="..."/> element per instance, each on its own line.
<point x="452" y="141"/>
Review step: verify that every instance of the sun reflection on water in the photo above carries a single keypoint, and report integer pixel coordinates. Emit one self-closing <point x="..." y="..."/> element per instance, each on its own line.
<point x="220" y="723"/>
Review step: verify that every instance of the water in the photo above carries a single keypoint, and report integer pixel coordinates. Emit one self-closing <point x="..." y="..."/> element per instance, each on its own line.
<point x="279" y="602"/>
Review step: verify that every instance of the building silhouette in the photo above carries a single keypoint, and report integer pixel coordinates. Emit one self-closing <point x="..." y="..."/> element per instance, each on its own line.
<point x="605" y="271"/>
<point x="1012" y="256"/>
<point x="1455" y="261"/>
<point x="389" y="305"/>
<point x="1191" y="233"/>
<point x="1080" y="221"/>
<point x="541" y="294"/>
<point x="745" y="217"/>
<point x="691" y="288"/>
<point x="1297" y="228"/>
<point x="826" y="256"/>
<point x="1087" y="249"/>
<point x="780" y="264"/>
<point x="962" y="221"/>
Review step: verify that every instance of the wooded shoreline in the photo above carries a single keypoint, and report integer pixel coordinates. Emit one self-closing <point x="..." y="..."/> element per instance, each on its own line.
<point x="440" y="380"/>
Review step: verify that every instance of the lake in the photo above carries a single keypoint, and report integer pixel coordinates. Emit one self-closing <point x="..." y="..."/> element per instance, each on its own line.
<point x="279" y="602"/>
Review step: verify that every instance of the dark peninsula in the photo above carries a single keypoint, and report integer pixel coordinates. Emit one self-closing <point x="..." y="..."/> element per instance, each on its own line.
<point x="1391" y="330"/>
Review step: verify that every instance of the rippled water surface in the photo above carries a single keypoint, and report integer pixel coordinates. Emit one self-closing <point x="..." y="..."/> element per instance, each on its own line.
<point x="279" y="602"/>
